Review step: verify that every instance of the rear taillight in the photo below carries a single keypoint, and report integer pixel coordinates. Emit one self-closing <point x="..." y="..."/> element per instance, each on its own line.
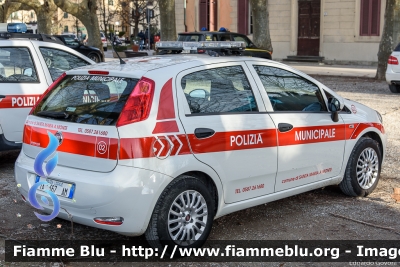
<point x="201" y="51"/>
<point x="51" y="87"/>
<point x="137" y="107"/>
<point x="393" y="60"/>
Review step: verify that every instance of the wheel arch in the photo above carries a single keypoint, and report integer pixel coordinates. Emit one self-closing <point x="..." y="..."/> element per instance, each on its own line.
<point x="375" y="136"/>
<point x="210" y="184"/>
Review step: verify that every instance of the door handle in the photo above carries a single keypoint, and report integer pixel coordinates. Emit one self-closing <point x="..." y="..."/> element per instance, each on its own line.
<point x="284" y="127"/>
<point x="203" y="133"/>
<point x="2" y="96"/>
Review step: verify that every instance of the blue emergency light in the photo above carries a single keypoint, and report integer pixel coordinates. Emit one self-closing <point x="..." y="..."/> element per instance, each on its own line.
<point x="16" y="27"/>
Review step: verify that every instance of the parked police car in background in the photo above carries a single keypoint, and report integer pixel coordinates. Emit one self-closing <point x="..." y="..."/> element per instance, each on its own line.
<point x="164" y="145"/>
<point x="251" y="50"/>
<point x="393" y="70"/>
<point x="27" y="68"/>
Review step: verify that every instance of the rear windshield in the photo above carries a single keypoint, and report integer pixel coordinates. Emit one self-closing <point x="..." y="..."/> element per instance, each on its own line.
<point x="397" y="49"/>
<point x="190" y="37"/>
<point x="87" y="99"/>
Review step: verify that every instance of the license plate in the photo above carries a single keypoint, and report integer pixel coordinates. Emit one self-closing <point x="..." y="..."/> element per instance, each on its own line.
<point x="59" y="188"/>
<point x="186" y="51"/>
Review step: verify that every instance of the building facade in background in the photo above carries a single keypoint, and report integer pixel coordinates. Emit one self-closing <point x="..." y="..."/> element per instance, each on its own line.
<point x="338" y="30"/>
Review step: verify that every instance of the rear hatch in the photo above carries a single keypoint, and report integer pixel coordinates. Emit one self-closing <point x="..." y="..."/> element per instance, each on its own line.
<point x="82" y="112"/>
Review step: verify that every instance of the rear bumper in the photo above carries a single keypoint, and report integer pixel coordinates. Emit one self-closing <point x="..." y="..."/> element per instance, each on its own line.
<point x="8" y="145"/>
<point x="392" y="77"/>
<point x="125" y="192"/>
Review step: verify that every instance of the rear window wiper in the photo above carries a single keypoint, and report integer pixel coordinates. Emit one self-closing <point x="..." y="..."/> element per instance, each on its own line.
<point x="53" y="114"/>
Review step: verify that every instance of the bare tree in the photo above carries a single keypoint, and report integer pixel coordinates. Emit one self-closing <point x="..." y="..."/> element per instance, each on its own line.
<point x="44" y="12"/>
<point x="106" y="15"/>
<point x="86" y="12"/>
<point x="133" y="13"/>
<point x="386" y="44"/>
<point x="9" y="7"/>
<point x="261" y="33"/>
<point x="167" y="20"/>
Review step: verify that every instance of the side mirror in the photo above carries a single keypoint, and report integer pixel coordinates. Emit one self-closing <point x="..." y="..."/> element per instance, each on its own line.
<point x="334" y="107"/>
<point x="28" y="72"/>
<point x="198" y="93"/>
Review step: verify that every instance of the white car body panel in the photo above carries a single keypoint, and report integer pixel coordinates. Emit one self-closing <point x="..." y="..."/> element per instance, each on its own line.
<point x="153" y="152"/>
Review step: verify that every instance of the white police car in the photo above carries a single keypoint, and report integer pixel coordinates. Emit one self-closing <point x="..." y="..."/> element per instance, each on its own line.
<point x="163" y="145"/>
<point x="27" y="68"/>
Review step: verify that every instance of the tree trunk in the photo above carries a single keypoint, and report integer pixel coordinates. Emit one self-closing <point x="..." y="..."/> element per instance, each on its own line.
<point x="9" y="7"/>
<point x="44" y="17"/>
<point x="167" y="20"/>
<point x="86" y="12"/>
<point x="261" y="34"/>
<point x="386" y="44"/>
<point x="44" y="13"/>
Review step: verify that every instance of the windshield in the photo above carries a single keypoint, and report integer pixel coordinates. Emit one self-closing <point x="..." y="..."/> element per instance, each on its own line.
<point x="87" y="99"/>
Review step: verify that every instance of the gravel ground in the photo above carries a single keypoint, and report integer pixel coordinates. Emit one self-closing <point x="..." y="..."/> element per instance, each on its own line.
<point x="306" y="216"/>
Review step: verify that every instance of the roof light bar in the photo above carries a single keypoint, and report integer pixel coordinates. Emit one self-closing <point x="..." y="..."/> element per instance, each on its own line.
<point x="212" y="45"/>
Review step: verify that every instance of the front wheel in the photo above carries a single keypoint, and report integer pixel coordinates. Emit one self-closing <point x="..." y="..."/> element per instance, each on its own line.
<point x="394" y="88"/>
<point x="183" y="215"/>
<point x="363" y="169"/>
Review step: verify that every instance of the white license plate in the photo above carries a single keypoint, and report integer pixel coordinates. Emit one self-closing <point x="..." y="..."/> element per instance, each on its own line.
<point x="59" y="188"/>
<point x="185" y="51"/>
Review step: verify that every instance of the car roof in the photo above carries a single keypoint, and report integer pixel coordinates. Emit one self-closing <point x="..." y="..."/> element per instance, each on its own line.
<point x="141" y="65"/>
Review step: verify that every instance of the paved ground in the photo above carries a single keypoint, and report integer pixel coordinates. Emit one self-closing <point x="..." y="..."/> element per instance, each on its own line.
<point x="335" y="70"/>
<point x="301" y="217"/>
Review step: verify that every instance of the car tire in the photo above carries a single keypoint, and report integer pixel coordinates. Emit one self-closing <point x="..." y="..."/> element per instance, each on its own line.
<point x="105" y="48"/>
<point x="363" y="169"/>
<point x="94" y="57"/>
<point x="170" y="222"/>
<point x="394" y="88"/>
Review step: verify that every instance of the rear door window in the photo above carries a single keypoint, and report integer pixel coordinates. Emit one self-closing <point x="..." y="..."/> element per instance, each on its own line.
<point x="16" y="65"/>
<point x="59" y="61"/>
<point x="85" y="99"/>
<point x="219" y="90"/>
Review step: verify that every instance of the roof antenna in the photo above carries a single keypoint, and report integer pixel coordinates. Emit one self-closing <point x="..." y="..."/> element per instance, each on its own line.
<point x="120" y="59"/>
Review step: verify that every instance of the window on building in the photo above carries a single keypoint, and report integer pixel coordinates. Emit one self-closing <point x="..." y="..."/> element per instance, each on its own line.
<point x="65" y="15"/>
<point x="243" y="16"/>
<point x="370" y="17"/>
<point x="65" y="28"/>
<point x="250" y="20"/>
<point x="32" y="15"/>
<point x="110" y="2"/>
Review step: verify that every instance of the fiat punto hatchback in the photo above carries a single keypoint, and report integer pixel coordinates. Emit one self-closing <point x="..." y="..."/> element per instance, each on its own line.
<point x="164" y="145"/>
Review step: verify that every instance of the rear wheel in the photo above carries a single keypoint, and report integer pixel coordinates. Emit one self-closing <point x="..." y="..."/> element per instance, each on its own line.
<point x="105" y="48"/>
<point x="363" y="169"/>
<point x="394" y="88"/>
<point x="183" y="215"/>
